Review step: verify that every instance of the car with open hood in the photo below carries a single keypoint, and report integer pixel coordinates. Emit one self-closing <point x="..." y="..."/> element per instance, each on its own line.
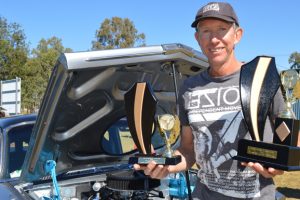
<point x="81" y="143"/>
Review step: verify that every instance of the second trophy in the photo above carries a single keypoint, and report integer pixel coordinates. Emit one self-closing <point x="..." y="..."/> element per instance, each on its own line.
<point x="140" y="104"/>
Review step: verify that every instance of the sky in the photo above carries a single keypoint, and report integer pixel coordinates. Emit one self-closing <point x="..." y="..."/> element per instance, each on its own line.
<point x="270" y="27"/>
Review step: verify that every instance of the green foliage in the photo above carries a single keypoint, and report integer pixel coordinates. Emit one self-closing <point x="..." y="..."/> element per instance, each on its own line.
<point x="294" y="60"/>
<point x="13" y="50"/>
<point x="38" y="70"/>
<point x="117" y="33"/>
<point x="35" y="68"/>
<point x="33" y="85"/>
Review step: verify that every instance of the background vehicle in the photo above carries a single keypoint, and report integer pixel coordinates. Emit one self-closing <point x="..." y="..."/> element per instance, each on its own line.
<point x="14" y="141"/>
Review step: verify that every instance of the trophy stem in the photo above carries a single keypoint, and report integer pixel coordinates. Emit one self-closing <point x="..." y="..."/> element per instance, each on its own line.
<point x="168" y="152"/>
<point x="288" y="112"/>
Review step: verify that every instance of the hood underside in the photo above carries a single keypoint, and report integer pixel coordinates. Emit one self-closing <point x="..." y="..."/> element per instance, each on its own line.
<point x="85" y="96"/>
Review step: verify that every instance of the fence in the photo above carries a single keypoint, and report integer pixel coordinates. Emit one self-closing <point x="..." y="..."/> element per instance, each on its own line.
<point x="10" y="95"/>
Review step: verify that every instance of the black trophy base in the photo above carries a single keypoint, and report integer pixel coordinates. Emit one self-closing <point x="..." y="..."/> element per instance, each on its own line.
<point x="145" y="159"/>
<point x="269" y="155"/>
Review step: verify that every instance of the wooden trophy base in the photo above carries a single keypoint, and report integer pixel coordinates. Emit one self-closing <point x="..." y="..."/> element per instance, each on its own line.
<point x="145" y="159"/>
<point x="278" y="156"/>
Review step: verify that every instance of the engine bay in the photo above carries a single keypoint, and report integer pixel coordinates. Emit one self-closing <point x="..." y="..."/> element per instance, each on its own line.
<point x="109" y="186"/>
<point x="87" y="188"/>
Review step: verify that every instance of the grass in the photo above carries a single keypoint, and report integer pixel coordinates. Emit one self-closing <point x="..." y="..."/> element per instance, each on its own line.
<point x="289" y="185"/>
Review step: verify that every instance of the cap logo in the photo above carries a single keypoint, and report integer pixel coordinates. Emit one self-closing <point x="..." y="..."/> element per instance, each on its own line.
<point x="210" y="7"/>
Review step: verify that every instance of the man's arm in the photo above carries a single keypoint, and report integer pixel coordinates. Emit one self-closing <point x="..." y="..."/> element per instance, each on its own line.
<point x="186" y="150"/>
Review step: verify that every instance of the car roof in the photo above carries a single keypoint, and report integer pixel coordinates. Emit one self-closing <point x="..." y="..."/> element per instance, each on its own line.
<point x="12" y="120"/>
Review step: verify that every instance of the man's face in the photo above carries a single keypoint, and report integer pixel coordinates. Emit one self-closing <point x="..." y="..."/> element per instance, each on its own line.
<point x="217" y="39"/>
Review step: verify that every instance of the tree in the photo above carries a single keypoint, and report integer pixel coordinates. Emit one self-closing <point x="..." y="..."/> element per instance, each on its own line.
<point x="38" y="70"/>
<point x="13" y="50"/>
<point x="47" y="52"/>
<point x="33" y="85"/>
<point x="117" y="33"/>
<point x="35" y="70"/>
<point x="294" y="60"/>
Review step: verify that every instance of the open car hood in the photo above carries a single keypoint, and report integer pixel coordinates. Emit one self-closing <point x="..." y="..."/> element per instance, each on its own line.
<point x="85" y="96"/>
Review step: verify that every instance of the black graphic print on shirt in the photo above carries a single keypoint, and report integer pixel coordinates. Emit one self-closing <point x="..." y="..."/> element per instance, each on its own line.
<point x="217" y="124"/>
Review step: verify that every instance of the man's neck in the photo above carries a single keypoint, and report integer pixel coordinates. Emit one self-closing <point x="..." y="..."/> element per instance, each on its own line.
<point x="225" y="69"/>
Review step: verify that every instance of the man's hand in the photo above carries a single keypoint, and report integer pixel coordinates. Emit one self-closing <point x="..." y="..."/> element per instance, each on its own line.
<point x="266" y="172"/>
<point x="153" y="170"/>
<point x="186" y="151"/>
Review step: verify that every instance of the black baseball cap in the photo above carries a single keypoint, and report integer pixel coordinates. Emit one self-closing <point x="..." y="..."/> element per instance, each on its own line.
<point x="219" y="10"/>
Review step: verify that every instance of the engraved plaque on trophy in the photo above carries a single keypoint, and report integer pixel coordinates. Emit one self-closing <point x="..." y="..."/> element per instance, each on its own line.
<point x="259" y="82"/>
<point x="140" y="105"/>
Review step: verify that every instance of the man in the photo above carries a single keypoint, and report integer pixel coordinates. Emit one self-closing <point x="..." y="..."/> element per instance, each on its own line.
<point x="212" y="120"/>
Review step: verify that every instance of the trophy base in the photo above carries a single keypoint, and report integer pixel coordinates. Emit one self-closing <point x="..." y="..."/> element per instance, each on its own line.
<point x="268" y="164"/>
<point x="269" y="155"/>
<point x="145" y="159"/>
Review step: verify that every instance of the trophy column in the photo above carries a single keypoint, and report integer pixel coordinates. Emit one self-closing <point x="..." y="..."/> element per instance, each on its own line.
<point x="286" y="124"/>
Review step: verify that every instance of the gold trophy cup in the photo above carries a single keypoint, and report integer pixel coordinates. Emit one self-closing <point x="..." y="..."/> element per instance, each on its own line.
<point x="169" y="128"/>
